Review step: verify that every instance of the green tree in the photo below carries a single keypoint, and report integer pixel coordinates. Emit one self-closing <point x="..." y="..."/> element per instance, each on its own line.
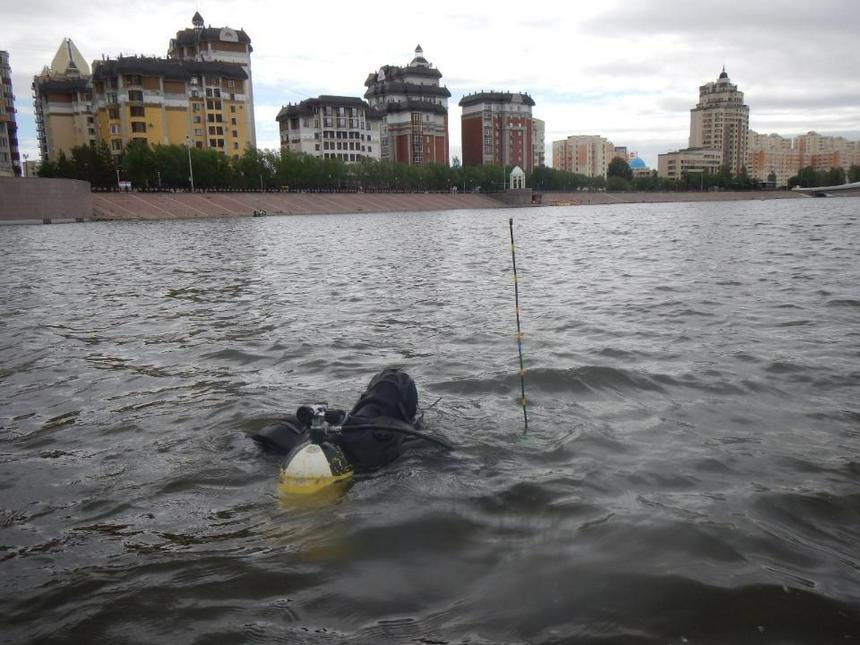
<point x="854" y="173"/>
<point x="617" y="184"/>
<point x="138" y="163"/>
<point x="619" y="167"/>
<point x="835" y="176"/>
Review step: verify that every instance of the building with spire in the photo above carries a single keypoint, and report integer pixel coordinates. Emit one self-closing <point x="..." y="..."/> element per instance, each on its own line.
<point x="720" y="121"/>
<point x="497" y="129"/>
<point x="10" y="161"/>
<point x="414" y="109"/>
<point x="200" y="94"/>
<point x="62" y="103"/>
<point x="208" y="44"/>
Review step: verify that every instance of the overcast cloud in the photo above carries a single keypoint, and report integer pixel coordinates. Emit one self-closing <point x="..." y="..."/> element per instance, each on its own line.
<point x="629" y="71"/>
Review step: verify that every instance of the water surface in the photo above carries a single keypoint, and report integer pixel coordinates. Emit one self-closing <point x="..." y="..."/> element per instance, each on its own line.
<point x="690" y="475"/>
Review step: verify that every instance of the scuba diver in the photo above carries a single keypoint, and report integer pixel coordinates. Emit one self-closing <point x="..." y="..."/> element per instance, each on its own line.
<point x="324" y="447"/>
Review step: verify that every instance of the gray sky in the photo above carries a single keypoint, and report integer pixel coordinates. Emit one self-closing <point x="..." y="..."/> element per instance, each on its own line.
<point x="629" y="71"/>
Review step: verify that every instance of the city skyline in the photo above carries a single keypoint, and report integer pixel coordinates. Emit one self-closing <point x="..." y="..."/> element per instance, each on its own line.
<point x="628" y="73"/>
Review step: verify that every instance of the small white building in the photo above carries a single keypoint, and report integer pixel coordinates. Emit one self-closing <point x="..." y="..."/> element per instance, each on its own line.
<point x="517" y="179"/>
<point x="331" y="127"/>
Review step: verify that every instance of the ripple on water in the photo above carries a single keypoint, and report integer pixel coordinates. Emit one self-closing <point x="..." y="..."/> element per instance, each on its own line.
<point x="689" y="473"/>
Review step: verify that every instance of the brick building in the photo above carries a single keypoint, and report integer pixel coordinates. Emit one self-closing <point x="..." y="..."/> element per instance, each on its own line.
<point x="497" y="129"/>
<point x="414" y="109"/>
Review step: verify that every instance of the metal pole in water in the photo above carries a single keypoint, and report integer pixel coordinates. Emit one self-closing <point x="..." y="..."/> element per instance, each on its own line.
<point x="519" y="330"/>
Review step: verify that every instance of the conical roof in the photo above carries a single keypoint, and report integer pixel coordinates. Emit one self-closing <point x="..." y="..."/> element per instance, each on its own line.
<point x="69" y="60"/>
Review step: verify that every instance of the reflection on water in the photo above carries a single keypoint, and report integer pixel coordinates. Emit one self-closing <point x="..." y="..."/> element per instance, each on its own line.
<point x="690" y="474"/>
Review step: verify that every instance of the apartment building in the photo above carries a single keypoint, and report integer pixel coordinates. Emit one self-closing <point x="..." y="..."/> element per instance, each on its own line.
<point x="170" y="101"/>
<point x="720" y="121"/>
<point x="224" y="44"/>
<point x="200" y="94"/>
<point x="62" y="103"/>
<point x="587" y="155"/>
<point x="824" y="152"/>
<point x="538" y="143"/>
<point x="771" y="154"/>
<point x="497" y="129"/>
<point x="331" y="127"/>
<point x="672" y="165"/>
<point x="10" y="161"/>
<point x="414" y="107"/>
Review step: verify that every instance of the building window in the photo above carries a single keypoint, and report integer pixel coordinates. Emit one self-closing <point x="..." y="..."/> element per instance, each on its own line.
<point x="138" y="126"/>
<point x="233" y="109"/>
<point x="233" y="121"/>
<point x="114" y="128"/>
<point x="197" y="119"/>
<point x="137" y="110"/>
<point x="235" y="145"/>
<point x="112" y="98"/>
<point x="198" y="132"/>
<point x="116" y="144"/>
<point x="135" y="95"/>
<point x="235" y="133"/>
<point x="113" y="113"/>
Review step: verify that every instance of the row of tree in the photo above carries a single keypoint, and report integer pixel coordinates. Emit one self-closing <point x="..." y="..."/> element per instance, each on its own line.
<point x="809" y="177"/>
<point x="168" y="167"/>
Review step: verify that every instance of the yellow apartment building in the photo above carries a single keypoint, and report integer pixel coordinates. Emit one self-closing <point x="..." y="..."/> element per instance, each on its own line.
<point x="62" y="103"/>
<point x="169" y="101"/>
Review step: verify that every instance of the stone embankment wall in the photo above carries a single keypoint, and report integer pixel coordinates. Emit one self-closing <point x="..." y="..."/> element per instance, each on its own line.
<point x="585" y="198"/>
<point x="36" y="199"/>
<point x="190" y="205"/>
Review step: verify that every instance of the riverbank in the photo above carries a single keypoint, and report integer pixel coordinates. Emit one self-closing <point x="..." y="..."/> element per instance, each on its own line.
<point x="589" y="198"/>
<point x="181" y="205"/>
<point x="195" y="205"/>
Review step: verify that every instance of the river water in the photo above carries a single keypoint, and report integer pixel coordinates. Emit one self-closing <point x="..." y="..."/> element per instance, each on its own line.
<point x="690" y="474"/>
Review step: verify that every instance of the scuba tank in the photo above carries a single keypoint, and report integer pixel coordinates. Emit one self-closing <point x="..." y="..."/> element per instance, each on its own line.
<point x="315" y="463"/>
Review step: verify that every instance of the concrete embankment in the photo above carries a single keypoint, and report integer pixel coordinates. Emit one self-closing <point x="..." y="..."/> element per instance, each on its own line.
<point x="191" y="205"/>
<point x="586" y="198"/>
<point x="28" y="199"/>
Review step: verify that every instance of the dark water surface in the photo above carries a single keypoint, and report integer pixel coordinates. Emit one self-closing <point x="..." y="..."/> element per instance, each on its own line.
<point x="691" y="474"/>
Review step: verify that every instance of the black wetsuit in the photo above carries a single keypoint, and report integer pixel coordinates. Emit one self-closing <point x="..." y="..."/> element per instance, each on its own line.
<point x="374" y="432"/>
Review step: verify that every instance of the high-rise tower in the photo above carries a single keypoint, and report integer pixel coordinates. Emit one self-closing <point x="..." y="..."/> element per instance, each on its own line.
<point x="497" y="129"/>
<point x="720" y="121"/>
<point x="415" y="107"/>
<point x="62" y="103"/>
<point x="224" y="44"/>
<point x="10" y="163"/>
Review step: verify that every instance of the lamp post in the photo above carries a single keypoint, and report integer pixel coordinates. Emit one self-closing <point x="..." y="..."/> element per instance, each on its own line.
<point x="190" y="167"/>
<point x="158" y="172"/>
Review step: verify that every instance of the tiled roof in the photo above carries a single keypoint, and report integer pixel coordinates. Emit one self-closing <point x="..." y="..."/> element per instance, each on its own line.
<point x="399" y="87"/>
<point x="306" y="107"/>
<point x="194" y="36"/>
<point x="495" y="97"/>
<point x="166" y="67"/>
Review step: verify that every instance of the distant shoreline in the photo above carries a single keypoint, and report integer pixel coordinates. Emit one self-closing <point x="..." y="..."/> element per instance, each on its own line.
<point x="184" y="205"/>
